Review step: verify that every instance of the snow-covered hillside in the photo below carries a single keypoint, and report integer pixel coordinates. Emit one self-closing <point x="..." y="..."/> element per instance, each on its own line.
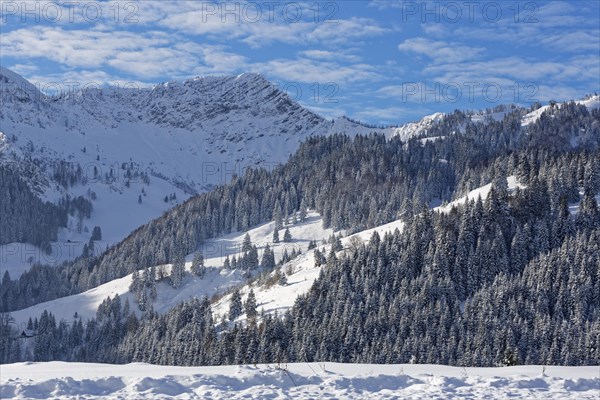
<point x="216" y="280"/>
<point x="298" y="381"/>
<point x="301" y="271"/>
<point x="592" y="102"/>
<point x="482" y="192"/>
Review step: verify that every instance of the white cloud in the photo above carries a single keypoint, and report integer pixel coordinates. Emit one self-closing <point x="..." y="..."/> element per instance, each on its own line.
<point x="310" y="71"/>
<point x="221" y="61"/>
<point x="576" y="41"/>
<point x="261" y="34"/>
<point x="71" y="81"/>
<point x="545" y="93"/>
<point x="343" y="31"/>
<point x="197" y="22"/>
<point x="515" y="68"/>
<point x="440" y="51"/>
<point x="266" y="29"/>
<point x="518" y="79"/>
<point x="153" y="62"/>
<point x="385" y="4"/>
<point x="534" y="25"/>
<point x="146" y="55"/>
<point x="24" y="69"/>
<point x="435" y="30"/>
<point x="329" y="55"/>
<point x="326" y="112"/>
<point x="76" y="48"/>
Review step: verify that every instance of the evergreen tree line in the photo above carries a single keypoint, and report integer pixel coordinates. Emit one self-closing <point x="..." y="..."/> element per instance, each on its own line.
<point x="512" y="280"/>
<point x="354" y="183"/>
<point x="25" y="217"/>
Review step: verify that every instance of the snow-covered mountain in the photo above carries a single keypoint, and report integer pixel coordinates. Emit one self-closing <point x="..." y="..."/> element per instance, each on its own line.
<point x="141" y="151"/>
<point x="172" y="129"/>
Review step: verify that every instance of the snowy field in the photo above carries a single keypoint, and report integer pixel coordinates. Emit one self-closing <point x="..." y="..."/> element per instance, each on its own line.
<point x="300" y="381"/>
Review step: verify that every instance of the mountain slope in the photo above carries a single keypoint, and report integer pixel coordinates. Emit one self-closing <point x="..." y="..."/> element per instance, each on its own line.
<point x="216" y="281"/>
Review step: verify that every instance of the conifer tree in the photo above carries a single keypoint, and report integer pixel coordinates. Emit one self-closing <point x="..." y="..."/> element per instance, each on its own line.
<point x="250" y="305"/>
<point x="198" y="267"/>
<point x="247" y="244"/>
<point x="287" y="236"/>
<point x="282" y="279"/>
<point x="277" y="216"/>
<point x="302" y="215"/>
<point x="268" y="259"/>
<point x="235" y="305"/>
<point x="177" y="271"/>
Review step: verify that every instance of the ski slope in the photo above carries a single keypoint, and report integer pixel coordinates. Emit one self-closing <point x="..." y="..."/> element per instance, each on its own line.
<point x="296" y="381"/>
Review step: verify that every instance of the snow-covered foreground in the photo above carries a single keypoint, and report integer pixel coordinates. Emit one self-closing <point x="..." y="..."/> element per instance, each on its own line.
<point x="298" y="381"/>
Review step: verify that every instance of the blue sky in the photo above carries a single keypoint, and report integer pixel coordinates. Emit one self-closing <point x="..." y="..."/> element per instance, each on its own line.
<point x="383" y="62"/>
